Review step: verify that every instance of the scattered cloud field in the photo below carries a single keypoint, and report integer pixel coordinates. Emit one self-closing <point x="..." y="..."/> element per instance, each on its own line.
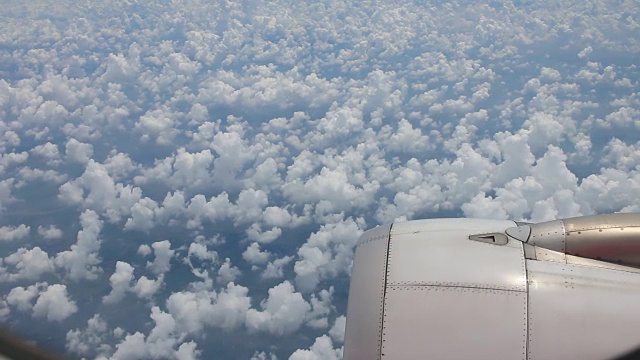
<point x="187" y="179"/>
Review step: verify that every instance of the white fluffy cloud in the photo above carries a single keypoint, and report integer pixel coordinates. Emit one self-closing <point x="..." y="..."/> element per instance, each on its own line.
<point x="22" y="298"/>
<point x="54" y="303"/>
<point x="6" y="187"/>
<point x="157" y="124"/>
<point x="88" y="340"/>
<point x="11" y="233"/>
<point x="162" y="341"/>
<point x="145" y="288"/>
<point x="82" y="260"/>
<point x="338" y="329"/>
<point x="50" y="232"/>
<point x="49" y="151"/>
<point x="120" y="283"/>
<point x="283" y="312"/>
<point x="182" y="170"/>
<point x="95" y="189"/>
<point x="253" y="255"/>
<point x="275" y="268"/>
<point x="163" y="254"/>
<point x="29" y="264"/>
<point x="225" y="309"/>
<point x="51" y="301"/>
<point x="227" y="273"/>
<point x="8" y="160"/>
<point x="78" y="152"/>
<point x="321" y="307"/>
<point x="322" y="349"/>
<point x="326" y="254"/>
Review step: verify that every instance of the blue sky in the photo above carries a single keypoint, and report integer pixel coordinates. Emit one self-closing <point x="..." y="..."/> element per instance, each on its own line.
<point x="187" y="179"/>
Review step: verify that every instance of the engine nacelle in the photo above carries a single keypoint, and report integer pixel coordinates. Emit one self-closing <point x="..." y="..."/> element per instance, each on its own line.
<point x="487" y="289"/>
<point x="613" y="237"/>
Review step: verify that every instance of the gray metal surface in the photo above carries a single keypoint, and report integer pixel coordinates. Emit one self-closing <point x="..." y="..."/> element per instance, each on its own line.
<point x="541" y="254"/>
<point x="550" y="255"/>
<point x="366" y="294"/>
<point x="425" y="289"/>
<point x="520" y="233"/>
<point x="448" y="296"/>
<point x="613" y="237"/>
<point x="491" y="238"/>
<point x="432" y="322"/>
<point x="576" y="260"/>
<point x="436" y="253"/>
<point x="549" y="235"/>
<point x="529" y="251"/>
<point x="581" y="312"/>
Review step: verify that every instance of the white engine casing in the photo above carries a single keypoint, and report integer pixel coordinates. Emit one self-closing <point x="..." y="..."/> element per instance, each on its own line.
<point x="424" y="290"/>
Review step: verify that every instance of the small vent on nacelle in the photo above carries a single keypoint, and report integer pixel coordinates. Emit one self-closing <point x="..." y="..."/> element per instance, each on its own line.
<point x="490" y="238"/>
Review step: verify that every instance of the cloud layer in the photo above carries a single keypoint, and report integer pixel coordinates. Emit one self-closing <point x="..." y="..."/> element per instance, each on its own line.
<point x="178" y="176"/>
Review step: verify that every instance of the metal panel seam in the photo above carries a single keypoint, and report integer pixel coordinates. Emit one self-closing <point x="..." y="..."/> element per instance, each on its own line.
<point x="456" y="288"/>
<point x="526" y="312"/>
<point x="370" y="240"/>
<point x="453" y="285"/>
<point x="384" y="293"/>
<point x="564" y="236"/>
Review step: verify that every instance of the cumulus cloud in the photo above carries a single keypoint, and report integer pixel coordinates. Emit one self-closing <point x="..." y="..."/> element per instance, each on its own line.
<point x="28" y="175"/>
<point x="78" y="152"/>
<point x="8" y="160"/>
<point x="29" y="264"/>
<point x="338" y="329"/>
<point x="227" y="273"/>
<point x="162" y="341"/>
<point x="201" y="252"/>
<point x="120" y="283"/>
<point x="95" y="189"/>
<point x="51" y="301"/>
<point x="275" y="268"/>
<point x="119" y="165"/>
<point x="12" y="233"/>
<point x="6" y="188"/>
<point x="255" y="233"/>
<point x="89" y="340"/>
<point x="181" y="170"/>
<point x="157" y="124"/>
<point x="144" y="250"/>
<point x="283" y="312"/>
<point x="248" y="208"/>
<point x="22" y="298"/>
<point x="163" y="254"/>
<point x="54" y="303"/>
<point x="332" y="189"/>
<point x="326" y="254"/>
<point x="145" y="288"/>
<point x="254" y="255"/>
<point x="82" y="260"/>
<point x="50" y="232"/>
<point x="195" y="310"/>
<point x="321" y="307"/>
<point x="322" y="349"/>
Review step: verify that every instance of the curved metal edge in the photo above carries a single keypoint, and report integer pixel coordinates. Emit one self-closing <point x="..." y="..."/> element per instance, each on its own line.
<point x="520" y="233"/>
<point x="549" y="235"/>
<point x="363" y="332"/>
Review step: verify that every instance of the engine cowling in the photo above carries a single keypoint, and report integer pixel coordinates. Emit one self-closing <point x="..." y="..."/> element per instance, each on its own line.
<point x="486" y="289"/>
<point x="613" y="238"/>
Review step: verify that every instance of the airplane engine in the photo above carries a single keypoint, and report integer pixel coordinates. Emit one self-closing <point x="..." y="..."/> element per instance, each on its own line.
<point x="490" y="289"/>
